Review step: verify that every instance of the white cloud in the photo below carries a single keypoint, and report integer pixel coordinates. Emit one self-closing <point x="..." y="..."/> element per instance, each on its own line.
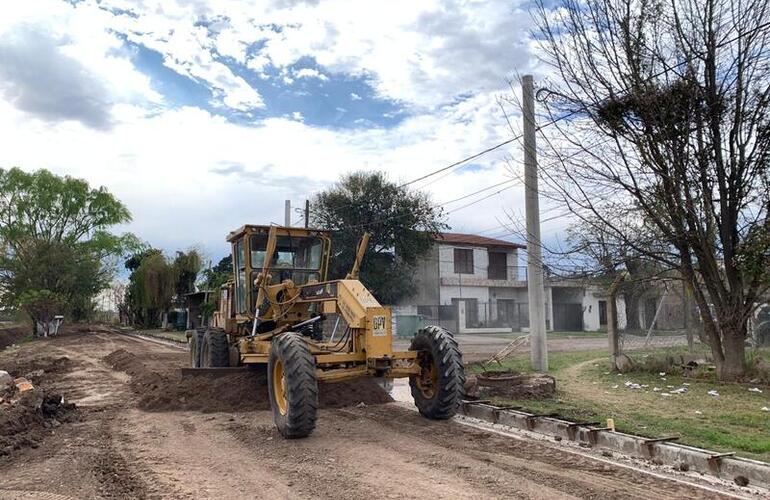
<point x="421" y="53"/>
<point x="58" y="62"/>
<point x="218" y="175"/>
<point x="310" y="73"/>
<point x="189" y="176"/>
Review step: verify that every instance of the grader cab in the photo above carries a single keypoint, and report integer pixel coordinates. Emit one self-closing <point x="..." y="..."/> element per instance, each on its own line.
<point x="281" y="311"/>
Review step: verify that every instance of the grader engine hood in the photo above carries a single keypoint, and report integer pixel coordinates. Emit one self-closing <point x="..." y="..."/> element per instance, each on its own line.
<point x="361" y="310"/>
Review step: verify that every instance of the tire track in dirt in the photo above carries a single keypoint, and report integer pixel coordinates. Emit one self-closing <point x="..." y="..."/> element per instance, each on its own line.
<point x="121" y="451"/>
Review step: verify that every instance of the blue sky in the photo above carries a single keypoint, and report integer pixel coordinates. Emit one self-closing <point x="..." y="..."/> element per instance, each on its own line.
<point x="203" y="115"/>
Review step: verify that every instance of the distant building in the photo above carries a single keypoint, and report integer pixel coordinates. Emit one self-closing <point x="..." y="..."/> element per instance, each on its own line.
<point x="472" y="283"/>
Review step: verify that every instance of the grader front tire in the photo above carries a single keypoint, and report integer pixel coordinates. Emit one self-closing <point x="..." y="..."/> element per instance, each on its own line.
<point x="439" y="388"/>
<point x="292" y="385"/>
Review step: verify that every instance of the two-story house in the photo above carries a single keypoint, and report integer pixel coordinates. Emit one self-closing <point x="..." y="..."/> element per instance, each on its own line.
<point x="472" y="283"/>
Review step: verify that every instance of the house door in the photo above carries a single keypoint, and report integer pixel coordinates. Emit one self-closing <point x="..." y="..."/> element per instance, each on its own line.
<point x="506" y="313"/>
<point x="568" y="317"/>
<point x="602" y="313"/>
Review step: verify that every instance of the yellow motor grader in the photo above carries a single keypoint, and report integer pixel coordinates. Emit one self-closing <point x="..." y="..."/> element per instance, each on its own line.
<point x="273" y="310"/>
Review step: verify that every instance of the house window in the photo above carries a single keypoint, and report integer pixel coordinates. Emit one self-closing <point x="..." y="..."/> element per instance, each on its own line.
<point x="497" y="266"/>
<point x="463" y="261"/>
<point x="603" y="313"/>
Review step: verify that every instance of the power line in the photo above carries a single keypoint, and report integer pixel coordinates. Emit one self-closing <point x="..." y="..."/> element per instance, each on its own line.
<point x="451" y="168"/>
<point x="464" y="160"/>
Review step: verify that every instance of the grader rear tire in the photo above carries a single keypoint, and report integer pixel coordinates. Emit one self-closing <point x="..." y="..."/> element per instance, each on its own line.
<point x="292" y="385"/>
<point x="215" y="352"/>
<point x="439" y="388"/>
<point x="195" y="343"/>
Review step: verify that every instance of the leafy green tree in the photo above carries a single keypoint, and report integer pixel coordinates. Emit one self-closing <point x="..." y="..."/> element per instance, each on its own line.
<point x="402" y="224"/>
<point x="54" y="238"/>
<point x="156" y="281"/>
<point x="186" y="268"/>
<point x="216" y="276"/>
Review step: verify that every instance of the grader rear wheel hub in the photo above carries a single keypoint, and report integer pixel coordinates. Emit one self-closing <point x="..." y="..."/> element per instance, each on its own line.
<point x="428" y="379"/>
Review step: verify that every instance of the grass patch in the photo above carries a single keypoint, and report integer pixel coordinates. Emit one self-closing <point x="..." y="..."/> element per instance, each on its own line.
<point x="588" y="390"/>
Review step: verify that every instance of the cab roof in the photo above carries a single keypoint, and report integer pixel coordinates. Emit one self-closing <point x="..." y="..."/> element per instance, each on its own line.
<point x="281" y="230"/>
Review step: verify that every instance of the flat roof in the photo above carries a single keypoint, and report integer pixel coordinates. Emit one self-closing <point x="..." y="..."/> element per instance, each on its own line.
<point x="473" y="239"/>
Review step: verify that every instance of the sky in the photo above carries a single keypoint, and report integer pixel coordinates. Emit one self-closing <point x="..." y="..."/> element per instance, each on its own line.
<point x="202" y="116"/>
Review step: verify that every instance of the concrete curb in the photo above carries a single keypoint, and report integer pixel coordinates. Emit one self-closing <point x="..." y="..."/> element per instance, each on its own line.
<point x="720" y="465"/>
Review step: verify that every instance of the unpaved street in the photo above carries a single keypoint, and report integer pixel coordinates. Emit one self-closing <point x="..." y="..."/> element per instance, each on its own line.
<point x="163" y="444"/>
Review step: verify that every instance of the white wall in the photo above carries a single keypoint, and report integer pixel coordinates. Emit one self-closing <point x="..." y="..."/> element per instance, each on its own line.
<point x="591" y="309"/>
<point x="481" y="293"/>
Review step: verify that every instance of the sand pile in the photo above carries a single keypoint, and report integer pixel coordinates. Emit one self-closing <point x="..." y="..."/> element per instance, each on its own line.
<point x="244" y="391"/>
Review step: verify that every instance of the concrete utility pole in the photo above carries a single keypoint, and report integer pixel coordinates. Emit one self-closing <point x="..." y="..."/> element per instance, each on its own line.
<point x="287" y="214"/>
<point x="307" y="213"/>
<point x="535" y="286"/>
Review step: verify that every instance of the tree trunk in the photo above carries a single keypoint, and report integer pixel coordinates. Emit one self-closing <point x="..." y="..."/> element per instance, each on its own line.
<point x="733" y="366"/>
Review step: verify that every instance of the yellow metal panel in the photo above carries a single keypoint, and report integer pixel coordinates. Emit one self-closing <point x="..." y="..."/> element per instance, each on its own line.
<point x="353" y="299"/>
<point x="341" y="374"/>
<point x="247" y="359"/>
<point x="339" y="358"/>
<point x="329" y="307"/>
<point x="378" y="342"/>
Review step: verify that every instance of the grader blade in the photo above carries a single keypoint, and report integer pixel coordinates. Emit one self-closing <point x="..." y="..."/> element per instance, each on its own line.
<point x="212" y="372"/>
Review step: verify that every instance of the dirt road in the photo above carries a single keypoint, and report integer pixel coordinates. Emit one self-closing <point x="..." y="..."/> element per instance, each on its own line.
<point x="121" y="448"/>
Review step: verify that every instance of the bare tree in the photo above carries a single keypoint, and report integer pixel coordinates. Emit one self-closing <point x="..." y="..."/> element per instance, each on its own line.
<point x="603" y="256"/>
<point x="658" y="113"/>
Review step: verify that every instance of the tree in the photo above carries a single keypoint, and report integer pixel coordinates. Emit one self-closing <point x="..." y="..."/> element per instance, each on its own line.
<point x="215" y="277"/>
<point x="41" y="306"/>
<point x="660" y="113"/>
<point x="54" y="241"/>
<point x="155" y="282"/>
<point x="402" y="224"/>
<point x="601" y="255"/>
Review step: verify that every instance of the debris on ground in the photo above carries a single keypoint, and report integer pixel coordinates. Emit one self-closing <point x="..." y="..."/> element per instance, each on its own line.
<point x="714" y="393"/>
<point x="26" y="416"/>
<point x="755" y="389"/>
<point x="698" y="412"/>
<point x="632" y="385"/>
<point x="765" y="408"/>
<point x="23" y="385"/>
<point x="5" y="379"/>
<point x="681" y="390"/>
<point x="741" y="481"/>
<point x="510" y="385"/>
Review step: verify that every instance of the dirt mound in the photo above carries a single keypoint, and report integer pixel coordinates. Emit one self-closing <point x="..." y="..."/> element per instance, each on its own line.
<point x="12" y="335"/>
<point x="35" y="368"/>
<point x="510" y="385"/>
<point x="26" y="421"/>
<point x="243" y="391"/>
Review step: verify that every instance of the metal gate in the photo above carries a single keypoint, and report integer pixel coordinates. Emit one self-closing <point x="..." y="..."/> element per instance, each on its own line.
<point x="568" y="317"/>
